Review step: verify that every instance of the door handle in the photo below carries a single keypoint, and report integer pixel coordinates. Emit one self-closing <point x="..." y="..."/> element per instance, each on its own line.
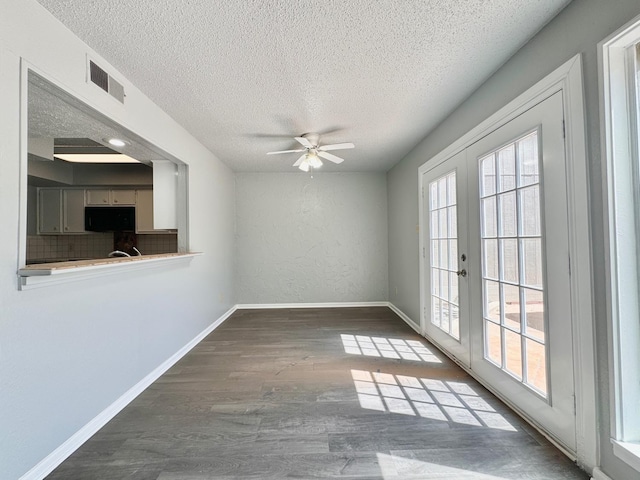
<point x="461" y="273"/>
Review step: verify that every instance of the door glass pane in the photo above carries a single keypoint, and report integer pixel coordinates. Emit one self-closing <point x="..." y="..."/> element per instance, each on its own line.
<point x="435" y="311"/>
<point x="513" y="353"/>
<point x="489" y="226"/>
<point x="452" y="221"/>
<point x="453" y="289"/>
<point x="442" y="192"/>
<point x="435" y="282"/>
<point x="492" y="301"/>
<point x="532" y="261"/>
<point x="530" y="210"/>
<point x="536" y="370"/>
<point x="451" y="189"/>
<point x="488" y="176"/>
<point x="493" y="343"/>
<point x="508" y="215"/>
<point x="507" y="168"/>
<point x="490" y="258"/>
<point x="511" y="306"/>
<point x="444" y="254"/>
<point x="534" y="313"/>
<point x="433" y="195"/>
<point x="528" y="160"/>
<point x="444" y="316"/>
<point x="512" y="263"/>
<point x="453" y="254"/>
<point x="509" y="250"/>
<point x="435" y="252"/>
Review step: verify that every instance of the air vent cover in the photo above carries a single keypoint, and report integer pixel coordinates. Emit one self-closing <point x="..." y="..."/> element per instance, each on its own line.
<point x="106" y="82"/>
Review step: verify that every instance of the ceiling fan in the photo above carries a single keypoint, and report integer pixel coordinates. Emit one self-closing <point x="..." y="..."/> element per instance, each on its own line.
<point x="313" y="151"/>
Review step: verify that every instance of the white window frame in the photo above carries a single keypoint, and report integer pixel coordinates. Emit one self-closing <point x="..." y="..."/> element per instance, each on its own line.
<point x="619" y="122"/>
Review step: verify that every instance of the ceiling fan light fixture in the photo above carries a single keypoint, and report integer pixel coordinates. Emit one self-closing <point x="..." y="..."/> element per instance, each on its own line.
<point x="304" y="166"/>
<point x="315" y="161"/>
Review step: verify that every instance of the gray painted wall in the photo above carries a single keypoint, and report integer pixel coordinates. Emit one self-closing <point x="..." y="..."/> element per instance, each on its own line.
<point x="575" y="30"/>
<point x="307" y="240"/>
<point x="69" y="351"/>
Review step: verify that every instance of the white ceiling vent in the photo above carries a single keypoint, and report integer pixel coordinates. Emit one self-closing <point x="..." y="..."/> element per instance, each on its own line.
<point x="106" y="82"/>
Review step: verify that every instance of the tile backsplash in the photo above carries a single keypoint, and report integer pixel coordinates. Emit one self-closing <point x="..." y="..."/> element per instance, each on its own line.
<point x="94" y="245"/>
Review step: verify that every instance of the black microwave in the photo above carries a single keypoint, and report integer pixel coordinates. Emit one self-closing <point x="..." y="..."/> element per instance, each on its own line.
<point x="110" y="219"/>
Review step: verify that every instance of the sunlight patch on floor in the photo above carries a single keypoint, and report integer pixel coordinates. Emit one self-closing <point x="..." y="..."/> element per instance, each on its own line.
<point x="394" y="466"/>
<point x="447" y="401"/>
<point x="395" y="348"/>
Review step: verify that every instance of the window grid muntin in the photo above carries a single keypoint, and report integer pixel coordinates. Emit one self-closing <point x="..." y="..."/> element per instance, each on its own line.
<point x="494" y="190"/>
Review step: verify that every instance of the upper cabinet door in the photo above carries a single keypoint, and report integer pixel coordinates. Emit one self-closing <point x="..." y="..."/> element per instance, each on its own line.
<point x="49" y="210"/>
<point x="73" y="210"/>
<point x="123" y="197"/>
<point x="98" y="196"/>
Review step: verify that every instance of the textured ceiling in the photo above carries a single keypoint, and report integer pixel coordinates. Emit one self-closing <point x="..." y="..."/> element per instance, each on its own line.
<point x="245" y="76"/>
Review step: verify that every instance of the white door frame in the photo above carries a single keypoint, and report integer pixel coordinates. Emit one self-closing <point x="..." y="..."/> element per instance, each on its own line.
<point x="568" y="80"/>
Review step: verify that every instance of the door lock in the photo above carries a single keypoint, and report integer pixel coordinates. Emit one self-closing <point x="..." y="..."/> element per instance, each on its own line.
<point x="461" y="273"/>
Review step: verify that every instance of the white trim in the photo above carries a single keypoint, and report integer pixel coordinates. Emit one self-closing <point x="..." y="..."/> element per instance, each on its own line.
<point x="60" y="454"/>
<point x="566" y="79"/>
<point x="599" y="475"/>
<point x="34" y="278"/>
<point x="256" y="306"/>
<point x="628" y="452"/>
<point x="621" y="202"/>
<point x="405" y="318"/>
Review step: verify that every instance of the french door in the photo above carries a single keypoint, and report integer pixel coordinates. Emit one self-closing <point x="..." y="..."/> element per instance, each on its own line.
<point x="514" y="302"/>
<point x="445" y="251"/>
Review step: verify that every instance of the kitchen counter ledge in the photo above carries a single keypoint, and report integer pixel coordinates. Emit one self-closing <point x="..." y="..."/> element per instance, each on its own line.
<point x="59" y="272"/>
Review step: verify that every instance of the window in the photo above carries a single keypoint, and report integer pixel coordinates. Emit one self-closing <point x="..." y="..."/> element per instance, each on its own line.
<point x="620" y="60"/>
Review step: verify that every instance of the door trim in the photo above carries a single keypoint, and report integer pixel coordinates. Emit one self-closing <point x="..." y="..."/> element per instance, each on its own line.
<point x="568" y="80"/>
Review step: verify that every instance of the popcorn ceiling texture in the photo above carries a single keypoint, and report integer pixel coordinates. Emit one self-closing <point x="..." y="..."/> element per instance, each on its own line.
<point x="307" y="240"/>
<point x="246" y="76"/>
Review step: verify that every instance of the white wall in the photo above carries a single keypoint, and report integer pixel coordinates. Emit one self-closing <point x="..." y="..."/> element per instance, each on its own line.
<point x="308" y="240"/>
<point x="68" y="351"/>
<point x="577" y="29"/>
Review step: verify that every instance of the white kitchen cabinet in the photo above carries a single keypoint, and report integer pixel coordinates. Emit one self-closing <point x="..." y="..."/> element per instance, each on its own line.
<point x="106" y="196"/>
<point x="49" y="211"/>
<point x="98" y="196"/>
<point x="60" y="210"/>
<point x="73" y="210"/>
<point x="123" y="197"/>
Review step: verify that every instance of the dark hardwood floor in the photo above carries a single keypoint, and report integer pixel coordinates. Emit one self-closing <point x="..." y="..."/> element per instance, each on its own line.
<point x="316" y="393"/>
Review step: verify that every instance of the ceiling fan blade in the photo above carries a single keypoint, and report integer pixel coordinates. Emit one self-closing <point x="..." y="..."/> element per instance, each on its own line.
<point x="285" y="151"/>
<point x="336" y="146"/>
<point x="331" y="157"/>
<point x="304" y="142"/>
<point x="300" y="160"/>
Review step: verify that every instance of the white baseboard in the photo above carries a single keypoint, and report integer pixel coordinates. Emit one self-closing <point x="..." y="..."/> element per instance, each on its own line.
<point x="60" y="454"/>
<point x="598" y="475"/>
<point x="251" y="306"/>
<point x="404" y="317"/>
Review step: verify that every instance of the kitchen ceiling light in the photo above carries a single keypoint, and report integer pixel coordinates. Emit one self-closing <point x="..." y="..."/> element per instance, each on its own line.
<point x="95" y="158"/>
<point x="116" y="142"/>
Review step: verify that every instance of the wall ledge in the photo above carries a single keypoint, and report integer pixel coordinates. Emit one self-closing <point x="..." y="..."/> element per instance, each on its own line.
<point x="35" y="276"/>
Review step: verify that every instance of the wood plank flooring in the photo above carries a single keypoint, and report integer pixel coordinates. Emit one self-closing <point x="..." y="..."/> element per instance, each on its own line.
<point x="349" y="393"/>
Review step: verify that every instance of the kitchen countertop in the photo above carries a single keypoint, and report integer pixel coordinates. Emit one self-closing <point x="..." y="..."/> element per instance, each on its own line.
<point x="42" y="269"/>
